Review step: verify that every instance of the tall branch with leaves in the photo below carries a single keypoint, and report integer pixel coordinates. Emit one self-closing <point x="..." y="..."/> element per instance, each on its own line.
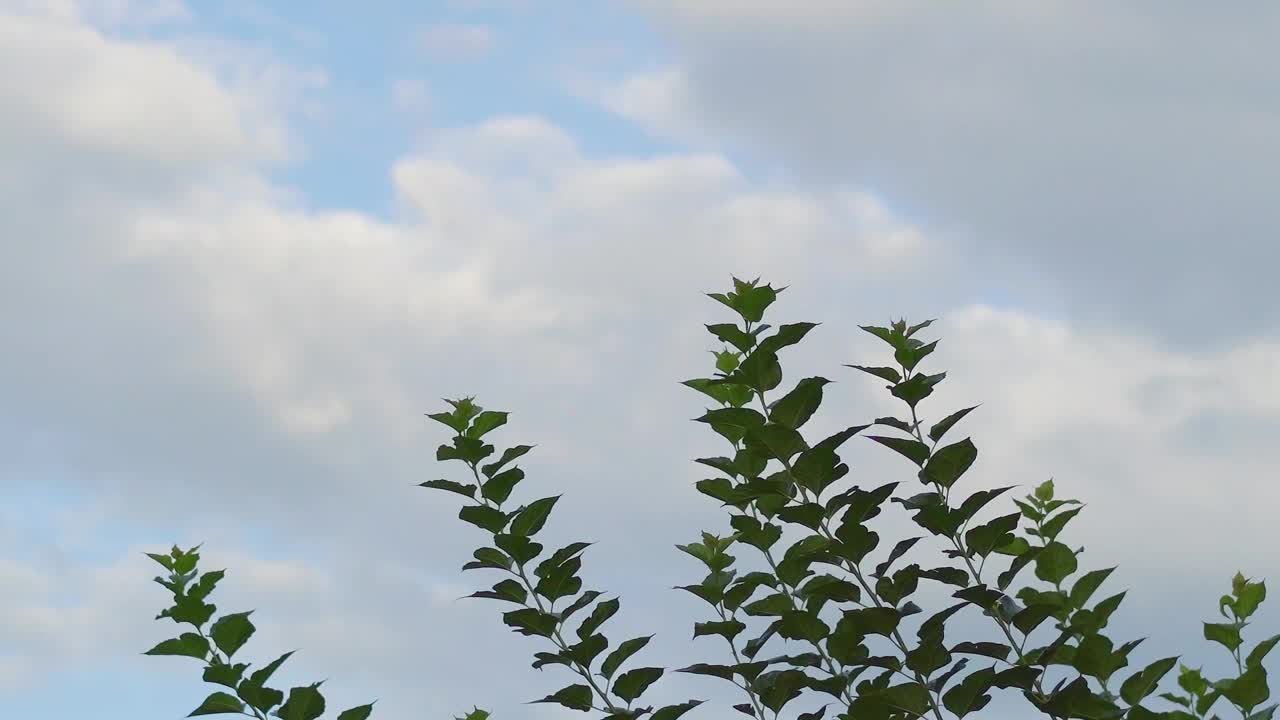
<point x="840" y="619"/>
<point x="253" y="697"/>
<point x="536" y="589"/>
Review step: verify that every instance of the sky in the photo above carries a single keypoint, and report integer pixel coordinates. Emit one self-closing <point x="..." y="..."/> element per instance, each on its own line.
<point x="245" y="246"/>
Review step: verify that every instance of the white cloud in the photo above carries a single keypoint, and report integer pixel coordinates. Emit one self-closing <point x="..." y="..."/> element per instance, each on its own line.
<point x="1092" y="152"/>
<point x="411" y="95"/>
<point x="216" y="358"/>
<point x="456" y="41"/>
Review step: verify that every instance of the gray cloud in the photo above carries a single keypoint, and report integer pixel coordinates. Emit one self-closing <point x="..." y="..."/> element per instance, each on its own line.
<point x="201" y="359"/>
<point x="1114" y="158"/>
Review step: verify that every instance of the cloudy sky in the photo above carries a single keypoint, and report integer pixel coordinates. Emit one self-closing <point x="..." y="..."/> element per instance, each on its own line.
<point x="244" y="246"/>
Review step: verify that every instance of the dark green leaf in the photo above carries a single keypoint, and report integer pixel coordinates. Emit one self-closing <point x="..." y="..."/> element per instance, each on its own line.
<point x="530" y="520"/>
<point x="507" y="456"/>
<point x="360" y="712"/>
<point x="304" y="703"/>
<point x="1142" y="683"/>
<point x="949" y="463"/>
<point x="727" y="629"/>
<point x="484" y="517"/>
<point x="937" y="431"/>
<point x="231" y="632"/>
<point x="674" y="712"/>
<point x="795" y="408"/>
<point x="884" y="373"/>
<point x="217" y="704"/>
<point x="615" y="659"/>
<point x="186" y="644"/>
<point x="1260" y="651"/>
<point x="574" y="697"/>
<point x="468" y="491"/>
<point x="632" y="683"/>
<point x="531" y="621"/>
<point x="228" y="675"/>
<point x="498" y="488"/>
<point x="264" y="673"/>
<point x="1055" y="563"/>
<point x="914" y="450"/>
<point x="602" y="612"/>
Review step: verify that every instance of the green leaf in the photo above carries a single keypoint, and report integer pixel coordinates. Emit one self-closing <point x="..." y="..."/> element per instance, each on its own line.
<point x="218" y="703"/>
<point x="1088" y="583"/>
<point x="1053" y="527"/>
<point x="727" y="629"/>
<point x="802" y="625"/>
<point x="778" y="688"/>
<point x="231" y="632"/>
<point x="969" y="695"/>
<point x="994" y="650"/>
<point x="520" y="548"/>
<point x="186" y="644"/>
<point x="508" y="590"/>
<point x="870" y="621"/>
<point x="586" y="651"/>
<point x="782" y="442"/>
<point x="454" y="422"/>
<point x="466" y="449"/>
<point x="1249" y="597"/>
<point x="164" y="560"/>
<point x="795" y="408"/>
<point x="602" y="612"/>
<point x="574" y="697"/>
<point x="816" y="468"/>
<point x="884" y="373"/>
<point x="1260" y="651"/>
<point x="260" y="697"/>
<point x="732" y="422"/>
<point x="620" y="655"/>
<point x="1055" y="563"/>
<point x="913" y="450"/>
<point x="531" y="621"/>
<point x="910" y="356"/>
<point x="786" y="336"/>
<point x="977" y="501"/>
<point x="187" y="609"/>
<point x="1044" y="491"/>
<point x="507" y="456"/>
<point x="205" y="585"/>
<point x="264" y="673"/>
<point x="632" y="683"/>
<point x="898" y="551"/>
<point x="304" y="703"/>
<point x="228" y="675"/>
<point x="985" y="538"/>
<point x="917" y="388"/>
<point x="467" y="491"/>
<point x="937" y="431"/>
<point x="498" y="488"/>
<point x="674" y="712"/>
<point x="1250" y="689"/>
<point x="484" y="517"/>
<point x="732" y="334"/>
<point x="1143" y="682"/>
<point x="531" y="519"/>
<point x="361" y="712"/>
<point x="485" y="422"/>
<point x="759" y="371"/>
<point x="949" y="463"/>
<point x="1225" y="634"/>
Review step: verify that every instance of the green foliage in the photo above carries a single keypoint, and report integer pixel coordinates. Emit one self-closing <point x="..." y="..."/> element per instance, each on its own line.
<point x="836" y="607"/>
<point x="252" y="696"/>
